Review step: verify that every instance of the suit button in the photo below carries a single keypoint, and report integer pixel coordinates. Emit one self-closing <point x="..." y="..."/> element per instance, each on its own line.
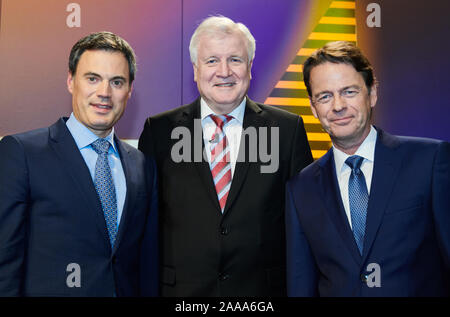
<point x="223" y="277"/>
<point x="364" y="278"/>
<point x="224" y="231"/>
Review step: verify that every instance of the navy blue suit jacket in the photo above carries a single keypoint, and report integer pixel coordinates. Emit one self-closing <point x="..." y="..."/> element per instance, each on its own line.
<point x="50" y="216"/>
<point x="407" y="230"/>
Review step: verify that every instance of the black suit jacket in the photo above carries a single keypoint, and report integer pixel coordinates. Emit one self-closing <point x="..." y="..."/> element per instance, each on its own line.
<point x="50" y="216"/>
<point x="242" y="251"/>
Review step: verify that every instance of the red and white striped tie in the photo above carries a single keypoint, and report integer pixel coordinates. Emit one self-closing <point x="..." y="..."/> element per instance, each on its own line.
<point x="220" y="159"/>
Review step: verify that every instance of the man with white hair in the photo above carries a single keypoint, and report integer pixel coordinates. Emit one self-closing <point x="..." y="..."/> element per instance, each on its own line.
<point x="221" y="192"/>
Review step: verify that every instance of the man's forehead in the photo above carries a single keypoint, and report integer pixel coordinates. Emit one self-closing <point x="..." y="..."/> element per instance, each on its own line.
<point x="100" y="58"/>
<point x="210" y="39"/>
<point x="334" y="67"/>
<point x="335" y="73"/>
<point x="103" y="53"/>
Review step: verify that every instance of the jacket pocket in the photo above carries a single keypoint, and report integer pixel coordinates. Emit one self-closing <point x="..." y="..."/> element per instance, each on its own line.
<point x="405" y="206"/>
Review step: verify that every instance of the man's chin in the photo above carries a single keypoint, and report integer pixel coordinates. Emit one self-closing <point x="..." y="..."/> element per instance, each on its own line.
<point x="225" y="106"/>
<point x="347" y="136"/>
<point x="101" y="129"/>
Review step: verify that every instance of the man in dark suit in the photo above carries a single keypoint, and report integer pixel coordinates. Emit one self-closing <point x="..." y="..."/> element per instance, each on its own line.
<point x="75" y="201"/>
<point x="223" y="161"/>
<point x="372" y="216"/>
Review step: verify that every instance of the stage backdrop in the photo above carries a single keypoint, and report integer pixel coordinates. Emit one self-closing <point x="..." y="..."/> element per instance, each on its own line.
<point x="405" y="40"/>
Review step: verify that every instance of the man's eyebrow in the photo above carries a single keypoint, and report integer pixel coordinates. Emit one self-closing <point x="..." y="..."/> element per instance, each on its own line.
<point x="322" y="92"/>
<point x="113" y="78"/>
<point x="118" y="77"/>
<point x="341" y="89"/>
<point x="351" y="86"/>
<point x="91" y="74"/>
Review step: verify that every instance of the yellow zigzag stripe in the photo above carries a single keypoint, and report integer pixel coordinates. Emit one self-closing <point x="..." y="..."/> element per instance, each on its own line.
<point x="332" y="36"/>
<point x="318" y="136"/>
<point x="299" y="85"/>
<point x="282" y="101"/>
<point x="290" y="84"/>
<point x="342" y="5"/>
<point x="318" y="153"/>
<point x="336" y="20"/>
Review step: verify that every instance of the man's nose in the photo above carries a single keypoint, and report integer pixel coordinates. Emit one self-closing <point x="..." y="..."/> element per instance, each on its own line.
<point x="339" y="103"/>
<point x="224" y="70"/>
<point x="104" y="89"/>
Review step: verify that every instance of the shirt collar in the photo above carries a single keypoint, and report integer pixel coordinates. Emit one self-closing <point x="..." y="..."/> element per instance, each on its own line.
<point x="237" y="113"/>
<point x="83" y="136"/>
<point x="365" y="150"/>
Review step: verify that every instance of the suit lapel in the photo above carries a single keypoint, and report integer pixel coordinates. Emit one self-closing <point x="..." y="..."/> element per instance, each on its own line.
<point x="72" y="161"/>
<point x="190" y="118"/>
<point x="130" y="198"/>
<point x="385" y="170"/>
<point x="329" y="190"/>
<point x="252" y="118"/>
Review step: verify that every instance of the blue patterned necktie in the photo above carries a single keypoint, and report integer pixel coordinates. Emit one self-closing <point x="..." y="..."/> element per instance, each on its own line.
<point x="358" y="198"/>
<point x="105" y="187"/>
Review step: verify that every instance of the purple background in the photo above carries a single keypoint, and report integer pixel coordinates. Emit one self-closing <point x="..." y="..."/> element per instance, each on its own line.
<point x="409" y="53"/>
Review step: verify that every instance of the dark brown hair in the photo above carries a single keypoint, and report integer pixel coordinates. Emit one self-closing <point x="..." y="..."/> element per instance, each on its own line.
<point x="339" y="52"/>
<point x="106" y="41"/>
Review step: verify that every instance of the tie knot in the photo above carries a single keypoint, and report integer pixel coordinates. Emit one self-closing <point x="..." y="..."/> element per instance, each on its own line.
<point x="100" y="146"/>
<point x="354" y="162"/>
<point x="221" y="120"/>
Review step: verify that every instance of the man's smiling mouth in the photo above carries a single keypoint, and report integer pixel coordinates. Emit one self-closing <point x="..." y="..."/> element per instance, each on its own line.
<point x="225" y="85"/>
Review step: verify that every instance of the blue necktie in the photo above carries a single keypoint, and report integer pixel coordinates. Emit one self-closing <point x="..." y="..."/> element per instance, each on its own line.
<point x="358" y="198"/>
<point x="105" y="187"/>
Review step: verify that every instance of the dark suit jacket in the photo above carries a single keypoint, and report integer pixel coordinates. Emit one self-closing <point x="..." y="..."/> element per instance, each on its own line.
<point x="239" y="253"/>
<point x="50" y="216"/>
<point x="407" y="231"/>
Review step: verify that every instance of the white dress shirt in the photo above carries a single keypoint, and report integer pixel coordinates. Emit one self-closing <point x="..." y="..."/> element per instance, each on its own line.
<point x="83" y="138"/>
<point x="343" y="171"/>
<point x="232" y="130"/>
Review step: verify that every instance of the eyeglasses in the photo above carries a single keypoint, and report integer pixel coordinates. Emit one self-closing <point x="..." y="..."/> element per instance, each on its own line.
<point x="347" y="93"/>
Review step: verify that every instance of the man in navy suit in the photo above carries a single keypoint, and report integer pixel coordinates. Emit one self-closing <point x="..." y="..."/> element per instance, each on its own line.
<point x="76" y="203"/>
<point x="372" y="216"/>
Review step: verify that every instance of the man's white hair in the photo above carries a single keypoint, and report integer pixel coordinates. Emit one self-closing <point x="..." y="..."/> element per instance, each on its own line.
<point x="215" y="25"/>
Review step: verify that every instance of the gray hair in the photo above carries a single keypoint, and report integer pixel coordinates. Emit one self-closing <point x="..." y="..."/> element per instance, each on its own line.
<point x="220" y="25"/>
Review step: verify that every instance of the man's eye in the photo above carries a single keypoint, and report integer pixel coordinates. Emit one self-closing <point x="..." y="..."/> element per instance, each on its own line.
<point x="236" y="60"/>
<point x="349" y="92"/>
<point x="211" y="61"/>
<point x="324" y="98"/>
<point x="92" y="79"/>
<point x="117" y="83"/>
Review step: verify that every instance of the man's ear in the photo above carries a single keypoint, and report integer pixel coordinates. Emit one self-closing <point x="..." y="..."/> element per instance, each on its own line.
<point x="70" y="82"/>
<point x="131" y="89"/>
<point x="373" y="95"/>
<point x="195" y="72"/>
<point x="313" y="108"/>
